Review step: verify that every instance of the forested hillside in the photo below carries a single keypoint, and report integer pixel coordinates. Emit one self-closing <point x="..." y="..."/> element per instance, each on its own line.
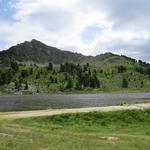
<point x="69" y="77"/>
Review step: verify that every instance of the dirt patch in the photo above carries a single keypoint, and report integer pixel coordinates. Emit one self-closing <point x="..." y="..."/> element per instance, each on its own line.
<point x="6" y="135"/>
<point x="16" y="129"/>
<point x="111" y="138"/>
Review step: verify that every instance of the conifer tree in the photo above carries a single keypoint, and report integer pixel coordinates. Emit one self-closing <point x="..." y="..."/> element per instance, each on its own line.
<point x="124" y="83"/>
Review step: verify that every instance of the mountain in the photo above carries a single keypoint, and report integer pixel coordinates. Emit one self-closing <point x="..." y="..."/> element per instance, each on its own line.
<point x="38" y="52"/>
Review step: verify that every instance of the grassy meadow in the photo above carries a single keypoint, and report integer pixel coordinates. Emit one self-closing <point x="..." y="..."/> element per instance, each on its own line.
<point x="121" y="130"/>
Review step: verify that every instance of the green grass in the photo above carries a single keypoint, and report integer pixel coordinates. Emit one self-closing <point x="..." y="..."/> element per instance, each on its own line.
<point x="81" y="131"/>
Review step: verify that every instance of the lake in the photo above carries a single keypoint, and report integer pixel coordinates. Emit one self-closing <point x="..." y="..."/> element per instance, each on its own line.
<point x="35" y="102"/>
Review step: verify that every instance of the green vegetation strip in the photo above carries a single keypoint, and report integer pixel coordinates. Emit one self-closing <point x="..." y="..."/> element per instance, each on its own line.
<point x="131" y="76"/>
<point x="118" y="130"/>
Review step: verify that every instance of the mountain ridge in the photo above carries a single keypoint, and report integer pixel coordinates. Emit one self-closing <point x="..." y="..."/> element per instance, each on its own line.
<point x="37" y="52"/>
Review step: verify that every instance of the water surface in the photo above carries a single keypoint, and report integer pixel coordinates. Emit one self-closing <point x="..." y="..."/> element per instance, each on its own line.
<point x="32" y="102"/>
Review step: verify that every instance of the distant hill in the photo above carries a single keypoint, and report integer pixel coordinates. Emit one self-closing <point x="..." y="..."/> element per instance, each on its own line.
<point x="38" y="52"/>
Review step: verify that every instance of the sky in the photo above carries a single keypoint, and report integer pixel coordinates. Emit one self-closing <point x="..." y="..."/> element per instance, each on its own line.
<point x="90" y="27"/>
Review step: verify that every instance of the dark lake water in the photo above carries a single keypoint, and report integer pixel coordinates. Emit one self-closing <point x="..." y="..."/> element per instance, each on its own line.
<point x="31" y="102"/>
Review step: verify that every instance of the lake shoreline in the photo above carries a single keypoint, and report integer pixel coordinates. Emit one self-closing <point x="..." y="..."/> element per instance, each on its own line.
<point x="75" y="93"/>
<point x="51" y="112"/>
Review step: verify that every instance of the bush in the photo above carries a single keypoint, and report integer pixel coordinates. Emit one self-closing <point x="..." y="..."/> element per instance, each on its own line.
<point x="24" y="73"/>
<point x="14" y="66"/>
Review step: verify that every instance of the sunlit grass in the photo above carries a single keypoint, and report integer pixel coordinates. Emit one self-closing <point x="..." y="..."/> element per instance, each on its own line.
<point x="120" y="130"/>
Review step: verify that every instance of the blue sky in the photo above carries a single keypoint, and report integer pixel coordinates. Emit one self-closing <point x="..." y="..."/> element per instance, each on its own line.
<point x="89" y="27"/>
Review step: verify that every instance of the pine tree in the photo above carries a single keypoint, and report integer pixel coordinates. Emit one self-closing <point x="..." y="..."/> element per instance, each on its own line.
<point x="14" y="66"/>
<point x="87" y="65"/>
<point x="17" y="85"/>
<point x="92" y="82"/>
<point x="121" y="69"/>
<point x="62" y="69"/>
<point x="98" y="84"/>
<point x="51" y="79"/>
<point x="24" y="73"/>
<point x="26" y="85"/>
<point x="69" y="83"/>
<point x="86" y="80"/>
<point x="6" y="76"/>
<point x="78" y="85"/>
<point x="50" y="66"/>
<point x="124" y="83"/>
<point x="142" y="84"/>
<point x="94" y="71"/>
<point x="31" y="71"/>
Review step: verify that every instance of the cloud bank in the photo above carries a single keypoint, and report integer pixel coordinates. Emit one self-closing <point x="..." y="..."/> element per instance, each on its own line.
<point x="89" y="27"/>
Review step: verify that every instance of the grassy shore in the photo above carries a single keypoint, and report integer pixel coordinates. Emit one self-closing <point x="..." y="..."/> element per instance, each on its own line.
<point x="119" y="130"/>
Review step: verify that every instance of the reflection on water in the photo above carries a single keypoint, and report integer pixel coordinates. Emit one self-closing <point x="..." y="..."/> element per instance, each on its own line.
<point x="14" y="102"/>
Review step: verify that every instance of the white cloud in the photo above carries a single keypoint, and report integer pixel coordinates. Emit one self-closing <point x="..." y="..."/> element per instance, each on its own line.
<point x="61" y="24"/>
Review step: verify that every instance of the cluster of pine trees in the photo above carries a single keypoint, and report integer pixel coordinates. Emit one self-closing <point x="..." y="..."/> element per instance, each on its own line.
<point x="7" y="75"/>
<point x="82" y="74"/>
